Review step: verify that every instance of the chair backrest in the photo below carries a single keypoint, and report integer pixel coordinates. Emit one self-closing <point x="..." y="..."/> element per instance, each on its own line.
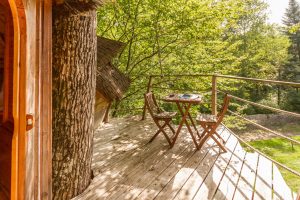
<point x="151" y="104"/>
<point x="224" y="108"/>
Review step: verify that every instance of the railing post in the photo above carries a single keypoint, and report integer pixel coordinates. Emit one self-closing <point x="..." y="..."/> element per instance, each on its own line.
<point x="214" y="95"/>
<point x="148" y="90"/>
<point x="106" y="115"/>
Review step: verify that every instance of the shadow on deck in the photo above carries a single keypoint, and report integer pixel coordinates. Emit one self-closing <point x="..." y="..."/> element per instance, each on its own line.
<point x="126" y="167"/>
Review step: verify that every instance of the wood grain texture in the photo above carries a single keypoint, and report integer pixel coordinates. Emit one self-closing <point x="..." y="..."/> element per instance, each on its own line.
<point x="74" y="83"/>
<point x="6" y="121"/>
<point x="101" y="105"/>
<point x="127" y="167"/>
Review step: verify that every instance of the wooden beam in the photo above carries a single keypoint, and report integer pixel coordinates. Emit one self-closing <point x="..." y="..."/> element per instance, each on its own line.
<point x="106" y="115"/>
<point x="293" y="84"/>
<point x="214" y="95"/>
<point x="148" y="90"/>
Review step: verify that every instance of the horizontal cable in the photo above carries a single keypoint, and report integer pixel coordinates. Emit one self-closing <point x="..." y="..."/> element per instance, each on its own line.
<point x="261" y="153"/>
<point x="181" y="75"/>
<point x="130" y="109"/>
<point x="262" y="106"/>
<point x="178" y="89"/>
<point x="293" y="84"/>
<point x="264" y="128"/>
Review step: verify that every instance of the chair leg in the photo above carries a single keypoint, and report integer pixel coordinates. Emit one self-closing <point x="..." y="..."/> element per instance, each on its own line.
<point x="206" y="129"/>
<point x="172" y="129"/>
<point x="167" y="137"/>
<point x="154" y="136"/>
<point x="219" y="143"/>
<point x="211" y="133"/>
<point x="217" y="134"/>
<point x="161" y="129"/>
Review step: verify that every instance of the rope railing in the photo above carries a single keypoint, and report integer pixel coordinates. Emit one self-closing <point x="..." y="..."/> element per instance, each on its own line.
<point x="262" y="154"/>
<point x="277" y="82"/>
<point x="265" y="128"/>
<point x="287" y="83"/>
<point x="181" y="75"/>
<point x="261" y="105"/>
<point x="214" y="91"/>
<point x="180" y="90"/>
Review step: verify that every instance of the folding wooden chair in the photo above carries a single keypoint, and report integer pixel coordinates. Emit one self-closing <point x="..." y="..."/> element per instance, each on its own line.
<point x="159" y="115"/>
<point x="210" y="124"/>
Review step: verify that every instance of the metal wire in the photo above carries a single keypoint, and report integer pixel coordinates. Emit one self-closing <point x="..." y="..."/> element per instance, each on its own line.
<point x="261" y="153"/>
<point x="265" y="128"/>
<point x="262" y="106"/>
<point x="292" y="84"/>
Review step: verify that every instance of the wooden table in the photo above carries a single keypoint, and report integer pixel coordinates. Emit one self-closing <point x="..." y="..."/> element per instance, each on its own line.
<point x="184" y="105"/>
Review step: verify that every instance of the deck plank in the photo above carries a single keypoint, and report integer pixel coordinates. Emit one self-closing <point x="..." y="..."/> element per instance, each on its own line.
<point x="281" y="190"/>
<point x="210" y="183"/>
<point x="155" y="171"/>
<point x="158" y="163"/>
<point x="112" y="174"/>
<point x="263" y="183"/>
<point x="172" y="183"/>
<point x="109" y="178"/>
<point x="227" y="185"/>
<point x="126" y="140"/>
<point x="245" y="186"/>
<point x="126" y="167"/>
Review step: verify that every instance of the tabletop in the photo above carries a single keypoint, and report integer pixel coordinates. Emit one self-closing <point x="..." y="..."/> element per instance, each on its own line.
<point x="183" y="98"/>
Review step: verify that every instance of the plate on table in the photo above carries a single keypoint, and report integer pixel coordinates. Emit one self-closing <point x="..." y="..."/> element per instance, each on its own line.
<point x="189" y="96"/>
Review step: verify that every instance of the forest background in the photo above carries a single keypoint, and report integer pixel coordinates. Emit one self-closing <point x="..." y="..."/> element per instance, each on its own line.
<point x="230" y="37"/>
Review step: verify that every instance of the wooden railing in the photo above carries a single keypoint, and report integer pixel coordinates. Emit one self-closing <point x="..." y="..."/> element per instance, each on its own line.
<point x="214" y="96"/>
<point x="214" y="88"/>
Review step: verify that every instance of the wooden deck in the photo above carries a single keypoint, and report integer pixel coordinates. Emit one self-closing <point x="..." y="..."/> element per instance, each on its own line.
<point x="126" y="167"/>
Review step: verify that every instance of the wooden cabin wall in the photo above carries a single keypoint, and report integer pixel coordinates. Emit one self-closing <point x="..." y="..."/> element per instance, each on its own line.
<point x="101" y="104"/>
<point x="30" y="94"/>
<point x="6" y="93"/>
<point x="38" y="101"/>
<point x="27" y="92"/>
<point x="2" y="47"/>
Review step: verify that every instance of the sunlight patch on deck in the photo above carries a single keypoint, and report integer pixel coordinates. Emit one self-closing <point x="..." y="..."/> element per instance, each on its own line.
<point x="128" y="167"/>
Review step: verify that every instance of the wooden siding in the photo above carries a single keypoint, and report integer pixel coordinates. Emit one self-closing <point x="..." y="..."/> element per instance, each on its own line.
<point x="27" y="91"/>
<point x="126" y="167"/>
<point x="6" y="99"/>
<point x="101" y="104"/>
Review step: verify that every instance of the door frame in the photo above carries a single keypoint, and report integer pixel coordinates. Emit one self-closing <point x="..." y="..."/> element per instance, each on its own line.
<point x="18" y="140"/>
<point x="42" y="21"/>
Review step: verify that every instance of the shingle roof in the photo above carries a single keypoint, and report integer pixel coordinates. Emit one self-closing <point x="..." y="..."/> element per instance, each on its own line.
<point x="111" y="82"/>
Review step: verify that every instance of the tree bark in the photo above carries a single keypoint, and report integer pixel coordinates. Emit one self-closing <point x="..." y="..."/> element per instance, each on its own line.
<point x="74" y="84"/>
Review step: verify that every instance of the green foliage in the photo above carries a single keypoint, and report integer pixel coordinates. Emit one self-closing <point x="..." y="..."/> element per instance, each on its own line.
<point x="291" y="21"/>
<point x="282" y="151"/>
<point x="189" y="37"/>
<point x="234" y="123"/>
<point x="292" y="102"/>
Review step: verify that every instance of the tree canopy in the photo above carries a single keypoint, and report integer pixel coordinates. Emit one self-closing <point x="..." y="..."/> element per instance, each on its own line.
<point x="188" y="37"/>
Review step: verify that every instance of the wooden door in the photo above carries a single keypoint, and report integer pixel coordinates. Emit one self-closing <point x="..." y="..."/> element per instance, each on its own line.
<point x="25" y="165"/>
<point x="6" y="98"/>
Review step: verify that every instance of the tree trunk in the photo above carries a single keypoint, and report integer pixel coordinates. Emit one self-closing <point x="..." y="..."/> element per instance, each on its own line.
<point x="74" y="83"/>
<point x="278" y="95"/>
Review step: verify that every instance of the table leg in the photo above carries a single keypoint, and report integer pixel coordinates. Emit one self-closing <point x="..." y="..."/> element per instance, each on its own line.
<point x="185" y="115"/>
<point x="193" y="123"/>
